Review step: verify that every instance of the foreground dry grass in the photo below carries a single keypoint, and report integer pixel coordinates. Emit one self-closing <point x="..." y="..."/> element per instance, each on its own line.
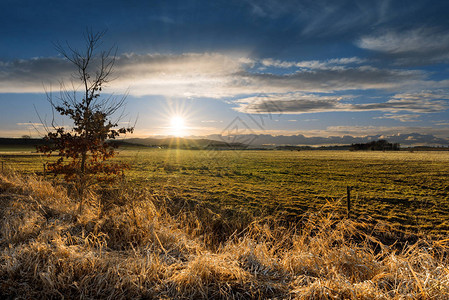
<point x="135" y="244"/>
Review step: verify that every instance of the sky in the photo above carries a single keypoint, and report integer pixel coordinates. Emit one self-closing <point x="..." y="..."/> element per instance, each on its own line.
<point x="301" y="72"/>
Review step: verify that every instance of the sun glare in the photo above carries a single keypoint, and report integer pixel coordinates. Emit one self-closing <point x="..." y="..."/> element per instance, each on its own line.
<point x="177" y="117"/>
<point x="177" y="126"/>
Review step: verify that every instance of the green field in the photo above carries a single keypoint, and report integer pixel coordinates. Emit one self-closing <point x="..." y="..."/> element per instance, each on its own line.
<point x="410" y="189"/>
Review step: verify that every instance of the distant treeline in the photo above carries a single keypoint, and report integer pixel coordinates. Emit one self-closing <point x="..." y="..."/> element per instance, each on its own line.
<point x="380" y="145"/>
<point x="299" y="148"/>
<point x="20" y="142"/>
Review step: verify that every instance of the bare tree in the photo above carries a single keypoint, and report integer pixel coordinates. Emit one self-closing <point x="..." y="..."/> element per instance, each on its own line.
<point x="84" y="149"/>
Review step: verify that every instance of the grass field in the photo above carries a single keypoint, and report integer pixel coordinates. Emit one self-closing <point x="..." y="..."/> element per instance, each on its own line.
<point x="410" y="189"/>
<point x="217" y="225"/>
<point x="137" y="243"/>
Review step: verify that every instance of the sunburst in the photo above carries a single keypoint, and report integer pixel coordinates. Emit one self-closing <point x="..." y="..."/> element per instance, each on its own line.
<point x="177" y="126"/>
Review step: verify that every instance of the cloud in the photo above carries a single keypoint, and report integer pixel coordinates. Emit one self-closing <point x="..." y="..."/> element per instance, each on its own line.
<point x="185" y="75"/>
<point x="29" y="76"/>
<point x="298" y="103"/>
<point x="419" y="45"/>
<point x="218" y="76"/>
<point x="211" y="121"/>
<point x="288" y="103"/>
<point x="328" y="80"/>
<point x="138" y="65"/>
<point x="421" y="40"/>
<point x="335" y="63"/>
<point x="269" y="8"/>
<point x="397" y="105"/>
<point x="30" y="124"/>
<point x="151" y="74"/>
<point x="400" y="117"/>
<point x="212" y="75"/>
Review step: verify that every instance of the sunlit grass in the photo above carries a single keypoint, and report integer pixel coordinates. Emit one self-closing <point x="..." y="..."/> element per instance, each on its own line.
<point x="137" y="243"/>
<point x="410" y="189"/>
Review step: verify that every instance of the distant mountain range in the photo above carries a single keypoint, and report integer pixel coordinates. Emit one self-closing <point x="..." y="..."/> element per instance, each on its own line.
<point x="257" y="141"/>
<point x="410" y="139"/>
<point x="267" y="140"/>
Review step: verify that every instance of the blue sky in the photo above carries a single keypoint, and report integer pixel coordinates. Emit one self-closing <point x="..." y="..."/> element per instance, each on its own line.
<point x="295" y="68"/>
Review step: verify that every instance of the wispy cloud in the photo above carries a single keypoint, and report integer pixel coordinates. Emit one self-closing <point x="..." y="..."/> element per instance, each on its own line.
<point x="298" y="103"/>
<point x="419" y="45"/>
<point x="324" y="18"/>
<point x="294" y="103"/>
<point x="30" y="124"/>
<point x="400" y="117"/>
<point x="211" y="121"/>
<point x="329" y="80"/>
<point x="335" y="63"/>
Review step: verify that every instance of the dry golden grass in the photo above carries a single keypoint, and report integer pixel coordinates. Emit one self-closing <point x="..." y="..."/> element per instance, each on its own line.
<point x="136" y="244"/>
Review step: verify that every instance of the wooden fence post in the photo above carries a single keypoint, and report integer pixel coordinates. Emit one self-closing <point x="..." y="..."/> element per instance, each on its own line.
<point x="45" y="170"/>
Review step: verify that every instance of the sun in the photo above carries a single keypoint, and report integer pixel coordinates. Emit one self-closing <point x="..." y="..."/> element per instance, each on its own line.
<point x="177" y="118"/>
<point x="177" y="125"/>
